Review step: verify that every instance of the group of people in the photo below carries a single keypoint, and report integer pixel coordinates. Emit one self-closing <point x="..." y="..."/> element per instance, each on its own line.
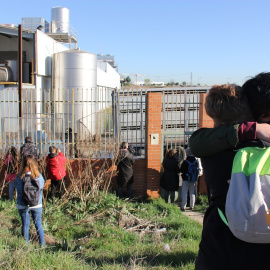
<point x="170" y="177"/>
<point x="235" y="111"/>
<point x="22" y="174"/>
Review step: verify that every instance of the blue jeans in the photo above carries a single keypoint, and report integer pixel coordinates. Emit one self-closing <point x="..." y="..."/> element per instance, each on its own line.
<point x="36" y="216"/>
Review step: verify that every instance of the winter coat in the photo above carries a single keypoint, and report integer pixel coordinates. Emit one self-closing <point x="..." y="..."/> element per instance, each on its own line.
<point x="33" y="150"/>
<point x="170" y="176"/>
<point x="219" y="248"/>
<point x="18" y="183"/>
<point x="208" y="141"/>
<point x="56" y="166"/>
<point x="125" y="160"/>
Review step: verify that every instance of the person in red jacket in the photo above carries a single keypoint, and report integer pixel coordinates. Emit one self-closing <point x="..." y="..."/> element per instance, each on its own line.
<point x="56" y="170"/>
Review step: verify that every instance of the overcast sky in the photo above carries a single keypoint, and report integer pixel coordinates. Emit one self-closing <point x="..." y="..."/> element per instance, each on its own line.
<point x="215" y="41"/>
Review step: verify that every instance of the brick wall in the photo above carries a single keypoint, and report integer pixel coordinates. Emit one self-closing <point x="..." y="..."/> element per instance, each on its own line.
<point x="154" y="103"/>
<point x="206" y="122"/>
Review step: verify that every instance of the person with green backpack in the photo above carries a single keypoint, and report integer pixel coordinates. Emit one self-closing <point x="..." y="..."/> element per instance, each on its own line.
<point x="228" y="105"/>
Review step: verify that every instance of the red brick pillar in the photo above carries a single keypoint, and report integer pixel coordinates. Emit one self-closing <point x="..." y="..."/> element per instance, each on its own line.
<point x="206" y="122"/>
<point x="154" y="106"/>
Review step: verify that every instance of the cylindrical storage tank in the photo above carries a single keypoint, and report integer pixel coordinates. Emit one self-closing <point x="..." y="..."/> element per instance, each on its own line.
<point x="75" y="86"/>
<point x="60" y="20"/>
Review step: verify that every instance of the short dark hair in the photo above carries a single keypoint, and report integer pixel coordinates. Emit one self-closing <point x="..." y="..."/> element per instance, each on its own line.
<point x="52" y="149"/>
<point x="257" y="91"/>
<point x="28" y="139"/>
<point x="123" y="145"/>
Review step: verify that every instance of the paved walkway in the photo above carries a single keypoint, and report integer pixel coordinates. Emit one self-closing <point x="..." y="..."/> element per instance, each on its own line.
<point x="197" y="216"/>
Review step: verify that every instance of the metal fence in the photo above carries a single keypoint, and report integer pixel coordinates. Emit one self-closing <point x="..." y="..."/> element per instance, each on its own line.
<point x="80" y="121"/>
<point x="130" y="118"/>
<point x="180" y="117"/>
<point x="92" y="122"/>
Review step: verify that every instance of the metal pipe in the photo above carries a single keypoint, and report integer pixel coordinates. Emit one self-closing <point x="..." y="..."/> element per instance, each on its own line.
<point x="19" y="64"/>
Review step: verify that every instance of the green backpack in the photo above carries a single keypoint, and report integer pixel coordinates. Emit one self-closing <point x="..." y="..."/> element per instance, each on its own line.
<point x="248" y="198"/>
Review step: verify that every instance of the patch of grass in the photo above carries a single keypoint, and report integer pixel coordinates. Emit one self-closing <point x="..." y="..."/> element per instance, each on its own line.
<point x="109" y="234"/>
<point x="201" y="203"/>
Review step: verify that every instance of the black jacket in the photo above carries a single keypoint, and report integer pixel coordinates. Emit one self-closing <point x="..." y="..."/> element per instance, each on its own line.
<point x="170" y="177"/>
<point x="125" y="160"/>
<point x="219" y="248"/>
<point x="29" y="149"/>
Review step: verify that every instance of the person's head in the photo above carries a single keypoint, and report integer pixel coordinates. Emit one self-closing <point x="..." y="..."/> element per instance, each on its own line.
<point x="171" y="153"/>
<point x="257" y="91"/>
<point x="124" y="145"/>
<point x="52" y="149"/>
<point x="29" y="164"/>
<point x="227" y="104"/>
<point x="28" y="140"/>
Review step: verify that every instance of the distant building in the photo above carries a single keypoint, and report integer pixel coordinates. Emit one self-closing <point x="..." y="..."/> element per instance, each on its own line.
<point x="108" y="58"/>
<point x="51" y="70"/>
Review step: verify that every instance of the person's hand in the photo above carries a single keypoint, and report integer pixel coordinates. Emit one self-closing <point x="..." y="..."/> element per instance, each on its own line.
<point x="263" y="132"/>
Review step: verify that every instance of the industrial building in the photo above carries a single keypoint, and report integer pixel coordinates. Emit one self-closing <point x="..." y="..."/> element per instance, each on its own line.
<point x="42" y="70"/>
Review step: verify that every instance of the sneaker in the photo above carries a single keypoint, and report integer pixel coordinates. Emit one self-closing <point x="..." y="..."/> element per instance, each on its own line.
<point x="183" y="209"/>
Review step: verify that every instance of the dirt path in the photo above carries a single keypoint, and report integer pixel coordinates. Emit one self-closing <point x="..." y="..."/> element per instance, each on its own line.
<point x="197" y="216"/>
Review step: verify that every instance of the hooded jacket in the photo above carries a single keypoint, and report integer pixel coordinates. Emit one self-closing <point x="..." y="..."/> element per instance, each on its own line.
<point x="56" y="166"/>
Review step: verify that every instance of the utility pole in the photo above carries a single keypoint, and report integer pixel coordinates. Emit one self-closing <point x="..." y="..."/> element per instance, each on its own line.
<point x="190" y="78"/>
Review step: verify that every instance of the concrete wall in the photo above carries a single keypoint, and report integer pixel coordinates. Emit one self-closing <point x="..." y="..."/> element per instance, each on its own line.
<point x="107" y="76"/>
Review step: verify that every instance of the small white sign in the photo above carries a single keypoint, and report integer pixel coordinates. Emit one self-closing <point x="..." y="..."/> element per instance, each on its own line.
<point x="154" y="139"/>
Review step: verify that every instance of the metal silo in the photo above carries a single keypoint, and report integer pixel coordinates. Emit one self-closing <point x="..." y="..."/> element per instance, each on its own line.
<point x="60" y="20"/>
<point x="74" y="88"/>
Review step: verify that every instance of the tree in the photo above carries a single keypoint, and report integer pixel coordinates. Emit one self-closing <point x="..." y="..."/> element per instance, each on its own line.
<point x="128" y="80"/>
<point x="184" y="83"/>
<point x="147" y="81"/>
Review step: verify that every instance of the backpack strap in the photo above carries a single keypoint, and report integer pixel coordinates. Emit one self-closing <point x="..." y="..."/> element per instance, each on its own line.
<point x="222" y="216"/>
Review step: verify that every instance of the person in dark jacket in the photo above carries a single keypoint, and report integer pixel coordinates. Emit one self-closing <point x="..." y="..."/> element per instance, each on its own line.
<point x="219" y="248"/>
<point x="29" y="148"/>
<point x="125" y="177"/>
<point x="170" y="175"/>
<point x="56" y="170"/>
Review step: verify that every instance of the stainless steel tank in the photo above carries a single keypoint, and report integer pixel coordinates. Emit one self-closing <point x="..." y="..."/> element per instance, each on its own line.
<point x="74" y="86"/>
<point x="60" y="20"/>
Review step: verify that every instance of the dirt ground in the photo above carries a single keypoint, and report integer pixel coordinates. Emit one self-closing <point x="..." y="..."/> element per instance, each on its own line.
<point x="197" y="216"/>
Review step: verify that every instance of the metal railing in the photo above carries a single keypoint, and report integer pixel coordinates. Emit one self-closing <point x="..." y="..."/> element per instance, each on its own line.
<point x="78" y="120"/>
<point x="180" y="117"/>
<point x="92" y="122"/>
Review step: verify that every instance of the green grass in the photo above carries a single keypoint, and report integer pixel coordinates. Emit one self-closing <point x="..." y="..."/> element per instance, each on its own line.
<point x="112" y="234"/>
